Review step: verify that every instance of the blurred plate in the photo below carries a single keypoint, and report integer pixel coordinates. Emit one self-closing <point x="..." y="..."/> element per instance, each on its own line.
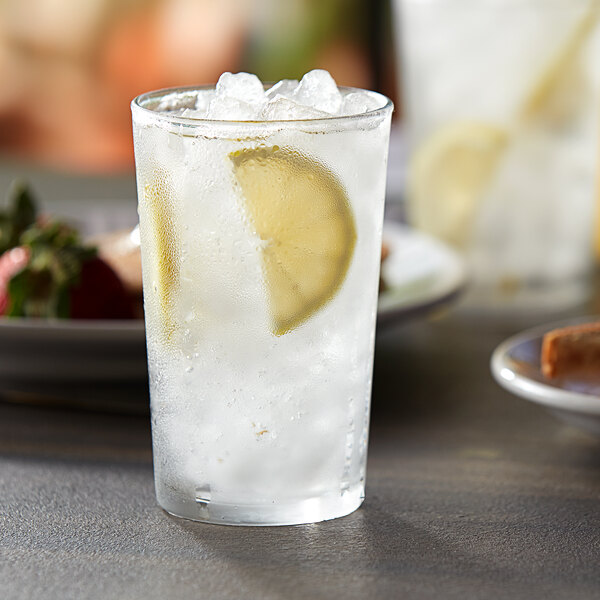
<point x="515" y="365"/>
<point x="72" y="350"/>
<point x="421" y="275"/>
<point x="96" y="364"/>
<point x="85" y="358"/>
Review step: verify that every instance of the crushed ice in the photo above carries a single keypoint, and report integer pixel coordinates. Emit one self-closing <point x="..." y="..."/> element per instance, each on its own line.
<point x="318" y="89"/>
<point x="242" y="97"/>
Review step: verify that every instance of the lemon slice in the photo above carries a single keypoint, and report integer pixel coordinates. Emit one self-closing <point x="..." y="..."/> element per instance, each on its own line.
<point x="159" y="198"/>
<point x="302" y="213"/>
<point x="553" y="77"/>
<point x="449" y="173"/>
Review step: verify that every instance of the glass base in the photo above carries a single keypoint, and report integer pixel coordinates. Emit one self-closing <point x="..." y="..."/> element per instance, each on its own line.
<point x="310" y="510"/>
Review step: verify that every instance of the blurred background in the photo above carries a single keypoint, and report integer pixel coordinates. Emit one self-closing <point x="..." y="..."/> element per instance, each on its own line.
<point x="70" y="69"/>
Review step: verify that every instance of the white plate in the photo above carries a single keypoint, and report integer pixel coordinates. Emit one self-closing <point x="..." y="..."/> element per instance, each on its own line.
<point x="515" y="365"/>
<point x="422" y="274"/>
<point x="41" y="357"/>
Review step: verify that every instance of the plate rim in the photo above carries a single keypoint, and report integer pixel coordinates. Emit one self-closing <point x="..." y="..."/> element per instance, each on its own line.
<point x="447" y="292"/>
<point x="545" y="394"/>
<point x="97" y="330"/>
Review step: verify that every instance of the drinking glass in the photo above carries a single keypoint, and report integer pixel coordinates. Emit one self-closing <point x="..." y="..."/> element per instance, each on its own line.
<point x="261" y="247"/>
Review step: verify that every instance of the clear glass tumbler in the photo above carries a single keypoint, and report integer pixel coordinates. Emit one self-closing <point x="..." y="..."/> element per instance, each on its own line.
<point x="502" y="105"/>
<point x="261" y="248"/>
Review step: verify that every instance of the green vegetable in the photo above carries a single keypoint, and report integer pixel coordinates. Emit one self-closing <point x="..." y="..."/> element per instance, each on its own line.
<point x="56" y="257"/>
<point x="19" y="215"/>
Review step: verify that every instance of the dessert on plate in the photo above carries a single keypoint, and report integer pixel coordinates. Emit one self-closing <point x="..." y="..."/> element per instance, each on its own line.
<point x="572" y="350"/>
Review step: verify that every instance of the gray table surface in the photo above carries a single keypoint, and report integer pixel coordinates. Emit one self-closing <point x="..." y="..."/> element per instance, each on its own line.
<point x="472" y="493"/>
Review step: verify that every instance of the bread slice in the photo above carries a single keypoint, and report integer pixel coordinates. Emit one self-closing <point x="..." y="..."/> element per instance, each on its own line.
<point x="569" y="350"/>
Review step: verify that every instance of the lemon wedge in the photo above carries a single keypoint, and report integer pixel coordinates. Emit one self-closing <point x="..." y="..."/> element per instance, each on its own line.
<point x="301" y="211"/>
<point x="159" y="198"/>
<point x="553" y="77"/>
<point x="449" y="173"/>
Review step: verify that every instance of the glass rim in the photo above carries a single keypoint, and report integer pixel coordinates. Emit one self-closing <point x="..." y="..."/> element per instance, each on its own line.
<point x="137" y="104"/>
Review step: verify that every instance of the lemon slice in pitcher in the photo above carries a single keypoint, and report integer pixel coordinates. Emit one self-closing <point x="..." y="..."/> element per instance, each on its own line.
<point x="449" y="173"/>
<point x="158" y="195"/>
<point x="302" y="213"/>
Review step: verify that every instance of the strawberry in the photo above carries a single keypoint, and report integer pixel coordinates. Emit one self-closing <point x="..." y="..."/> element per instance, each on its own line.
<point x="49" y="273"/>
<point x="11" y="262"/>
<point x="99" y="293"/>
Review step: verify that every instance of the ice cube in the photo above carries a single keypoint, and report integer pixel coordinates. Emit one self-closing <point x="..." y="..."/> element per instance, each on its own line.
<point x="241" y="86"/>
<point x="285" y="88"/>
<point x="231" y="109"/>
<point x="192" y="113"/>
<point x="356" y="103"/>
<point x="318" y="89"/>
<point x="203" y="100"/>
<point x="177" y="101"/>
<point x="284" y="109"/>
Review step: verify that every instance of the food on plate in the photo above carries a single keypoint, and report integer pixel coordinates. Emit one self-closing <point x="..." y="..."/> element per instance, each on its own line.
<point x="46" y="271"/>
<point x="385" y="252"/>
<point x="121" y="251"/>
<point x="574" y="349"/>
